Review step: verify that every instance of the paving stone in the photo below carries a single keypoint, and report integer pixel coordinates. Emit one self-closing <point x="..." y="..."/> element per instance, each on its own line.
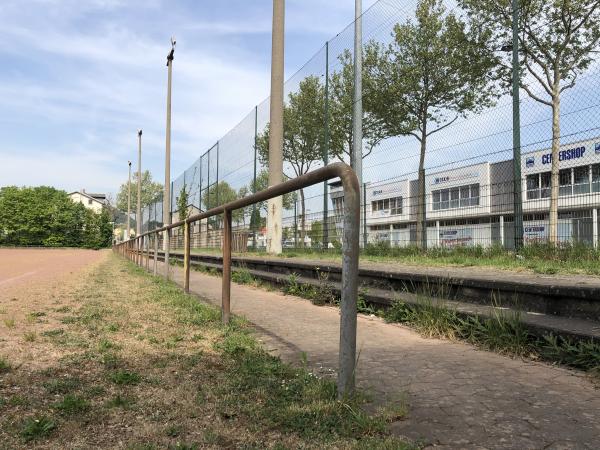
<point x="458" y="396"/>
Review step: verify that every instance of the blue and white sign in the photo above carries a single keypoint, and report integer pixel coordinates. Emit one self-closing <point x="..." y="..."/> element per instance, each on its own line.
<point x="597" y="148"/>
<point x="530" y="161"/>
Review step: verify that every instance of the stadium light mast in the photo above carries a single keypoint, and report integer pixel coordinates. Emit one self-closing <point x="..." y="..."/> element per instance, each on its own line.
<point x="167" y="188"/>
<point x="357" y="112"/>
<point x="138" y="215"/>
<point x="128" y="204"/>
<point x="275" y="205"/>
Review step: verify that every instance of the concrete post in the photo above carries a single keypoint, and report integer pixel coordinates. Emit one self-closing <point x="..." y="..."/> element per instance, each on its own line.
<point x="138" y="214"/>
<point x="502" y="231"/>
<point x="167" y="189"/>
<point x="275" y="205"/>
<point x="437" y="233"/>
<point x="357" y="112"/>
<point x="127" y="231"/>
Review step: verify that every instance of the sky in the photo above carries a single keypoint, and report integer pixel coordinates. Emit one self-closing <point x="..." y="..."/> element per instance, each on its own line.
<point x="79" y="78"/>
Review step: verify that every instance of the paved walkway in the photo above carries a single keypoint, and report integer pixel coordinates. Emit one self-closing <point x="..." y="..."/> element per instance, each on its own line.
<point x="458" y="396"/>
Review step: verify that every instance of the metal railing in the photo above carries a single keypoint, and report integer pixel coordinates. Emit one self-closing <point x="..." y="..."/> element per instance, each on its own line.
<point x="135" y="248"/>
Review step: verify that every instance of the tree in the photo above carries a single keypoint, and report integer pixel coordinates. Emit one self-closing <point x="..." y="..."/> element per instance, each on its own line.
<point x="47" y="216"/>
<point x="341" y="106"/>
<point x="435" y="71"/>
<point x="556" y="42"/>
<point x="316" y="233"/>
<point x="183" y="203"/>
<point x="151" y="192"/>
<point x="216" y="195"/>
<point x="303" y="119"/>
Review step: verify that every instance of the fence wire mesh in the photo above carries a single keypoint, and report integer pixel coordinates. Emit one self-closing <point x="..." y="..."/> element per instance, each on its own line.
<point x="438" y="142"/>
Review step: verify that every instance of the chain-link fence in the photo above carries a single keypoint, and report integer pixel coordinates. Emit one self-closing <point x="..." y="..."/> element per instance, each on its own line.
<point x="438" y="138"/>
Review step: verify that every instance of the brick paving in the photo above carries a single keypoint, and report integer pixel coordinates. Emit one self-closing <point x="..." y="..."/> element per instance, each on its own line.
<point x="458" y="396"/>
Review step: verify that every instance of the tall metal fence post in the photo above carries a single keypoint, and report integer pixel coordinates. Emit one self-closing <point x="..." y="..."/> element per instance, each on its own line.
<point x="364" y="216"/>
<point x="253" y="220"/>
<point x="186" y="257"/>
<point x="226" y="288"/>
<point x="326" y="152"/>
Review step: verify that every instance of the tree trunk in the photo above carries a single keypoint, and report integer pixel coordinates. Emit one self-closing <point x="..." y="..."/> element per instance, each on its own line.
<point x="302" y="219"/>
<point x="421" y="206"/>
<point x="554" y="191"/>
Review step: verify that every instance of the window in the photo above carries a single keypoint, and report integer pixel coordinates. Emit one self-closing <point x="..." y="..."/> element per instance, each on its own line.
<point x="454" y="194"/>
<point x="533" y="186"/>
<point x="89" y="201"/>
<point x="457" y="197"/>
<point x="394" y="205"/>
<point x="581" y="180"/>
<point x="564" y="180"/>
<point x="545" y="181"/>
<point x="596" y="178"/>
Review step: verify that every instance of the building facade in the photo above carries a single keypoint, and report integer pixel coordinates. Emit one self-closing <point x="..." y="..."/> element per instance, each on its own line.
<point x="473" y="204"/>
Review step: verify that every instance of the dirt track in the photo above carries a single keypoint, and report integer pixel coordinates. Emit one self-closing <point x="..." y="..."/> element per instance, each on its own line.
<point x="31" y="282"/>
<point x="22" y="270"/>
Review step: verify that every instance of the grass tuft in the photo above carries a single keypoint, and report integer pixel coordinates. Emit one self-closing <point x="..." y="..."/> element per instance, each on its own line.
<point x="124" y="377"/>
<point x="37" y="427"/>
<point x="72" y="404"/>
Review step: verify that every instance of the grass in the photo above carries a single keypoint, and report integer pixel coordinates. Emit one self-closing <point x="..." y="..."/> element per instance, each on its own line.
<point x="155" y="368"/>
<point x="4" y="365"/>
<point x="502" y="332"/>
<point x="37" y="427"/>
<point x="72" y="404"/>
<point x="538" y="258"/>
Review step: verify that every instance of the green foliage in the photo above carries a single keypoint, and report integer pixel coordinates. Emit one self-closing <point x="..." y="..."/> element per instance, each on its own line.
<point x="218" y="194"/>
<point x="501" y="332"/>
<point x="36" y="427"/>
<point x="151" y="192"/>
<point x="72" y="404"/>
<point x="435" y="71"/>
<point x="4" y="365"/>
<point x="303" y="119"/>
<point x="45" y="216"/>
<point x="183" y="203"/>
<point x="125" y="377"/>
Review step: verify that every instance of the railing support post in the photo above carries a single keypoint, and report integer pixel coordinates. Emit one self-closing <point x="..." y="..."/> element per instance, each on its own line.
<point x="147" y="245"/>
<point x="186" y="257"/>
<point x="155" y="253"/>
<point x="226" y="288"/>
<point x="167" y="245"/>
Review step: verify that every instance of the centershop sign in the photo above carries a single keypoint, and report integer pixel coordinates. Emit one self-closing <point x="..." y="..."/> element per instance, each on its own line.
<point x="565" y="155"/>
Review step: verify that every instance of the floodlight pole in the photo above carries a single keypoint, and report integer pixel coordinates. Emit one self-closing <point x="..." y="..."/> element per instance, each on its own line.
<point x="275" y="205"/>
<point x="128" y="203"/>
<point x="139" y="186"/>
<point x="167" y="188"/>
<point x="357" y="112"/>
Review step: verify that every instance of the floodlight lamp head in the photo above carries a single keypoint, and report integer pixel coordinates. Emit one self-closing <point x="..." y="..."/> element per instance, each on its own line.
<point x="140" y="132"/>
<point x="129" y="162"/>
<point x="171" y="54"/>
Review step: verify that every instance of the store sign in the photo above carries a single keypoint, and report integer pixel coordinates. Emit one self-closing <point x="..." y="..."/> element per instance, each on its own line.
<point x="535" y="233"/>
<point x="448" y="178"/>
<point x="565" y="155"/>
<point x="597" y="148"/>
<point x="530" y="161"/>
<point x="457" y="237"/>
<point x="378" y="192"/>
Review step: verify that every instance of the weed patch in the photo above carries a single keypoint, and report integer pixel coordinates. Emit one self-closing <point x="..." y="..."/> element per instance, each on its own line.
<point x="36" y="427"/>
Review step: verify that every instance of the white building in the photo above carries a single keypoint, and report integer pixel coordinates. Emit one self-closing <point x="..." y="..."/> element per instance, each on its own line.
<point x="473" y="205"/>
<point x="95" y="202"/>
